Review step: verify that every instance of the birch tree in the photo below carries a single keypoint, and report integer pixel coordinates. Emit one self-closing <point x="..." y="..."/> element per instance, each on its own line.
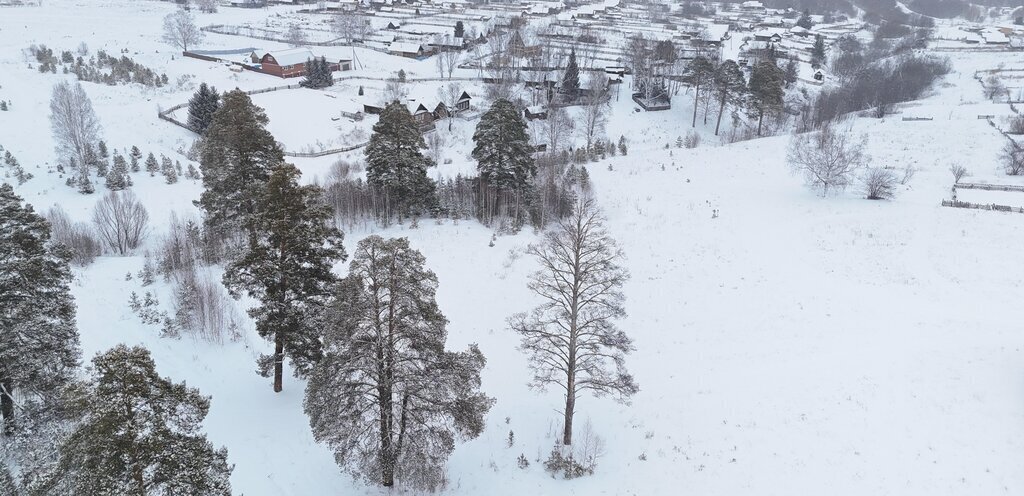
<point x="180" y="30"/>
<point x="75" y="125"/>
<point x="571" y="339"/>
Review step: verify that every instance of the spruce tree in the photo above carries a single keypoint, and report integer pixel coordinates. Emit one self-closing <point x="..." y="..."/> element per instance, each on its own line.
<point x="805" y="20"/>
<point x="571" y="78"/>
<point x="168" y="170"/>
<point x="139" y="434"/>
<point x="117" y="178"/>
<point x="102" y="151"/>
<point x="460" y="29"/>
<point x="237" y="156"/>
<point x="152" y="166"/>
<point x="729" y="87"/>
<point x="818" y="52"/>
<point x="764" y="91"/>
<point x="39" y="343"/>
<point x="502" y="148"/>
<point x="387" y="397"/>
<point x="135" y="155"/>
<point x="201" y="108"/>
<point x="82" y="180"/>
<point x="287" y="267"/>
<point x="396" y="164"/>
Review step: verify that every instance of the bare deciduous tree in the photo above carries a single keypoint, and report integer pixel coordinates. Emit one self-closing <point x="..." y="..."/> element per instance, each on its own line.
<point x="394" y="91"/>
<point x="450" y="95"/>
<point x="827" y="158"/>
<point x="1013" y="159"/>
<point x="349" y="26"/>
<point x="557" y="126"/>
<point x="959" y="172"/>
<point x="180" y="29"/>
<point x="595" y="116"/>
<point x="207" y="6"/>
<point x="121" y="221"/>
<point x="447" y="59"/>
<point x="571" y="339"/>
<point x="75" y="125"/>
<point x="994" y="87"/>
<point x="295" y="35"/>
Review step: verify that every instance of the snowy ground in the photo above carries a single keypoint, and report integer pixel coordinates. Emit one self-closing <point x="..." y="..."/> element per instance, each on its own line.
<point x="791" y="345"/>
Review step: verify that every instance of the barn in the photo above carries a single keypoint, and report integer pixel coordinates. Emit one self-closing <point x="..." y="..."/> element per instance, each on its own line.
<point x="292" y="63"/>
<point x="407" y="49"/>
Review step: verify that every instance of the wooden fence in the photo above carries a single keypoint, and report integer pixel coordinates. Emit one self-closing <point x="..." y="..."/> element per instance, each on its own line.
<point x="980" y="206"/>
<point x="990" y="187"/>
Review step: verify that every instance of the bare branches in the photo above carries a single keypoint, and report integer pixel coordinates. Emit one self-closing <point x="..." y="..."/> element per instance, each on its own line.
<point x="827" y="158"/>
<point x="571" y="337"/>
<point x="75" y="125"/>
<point x="121" y="221"/>
<point x="180" y="30"/>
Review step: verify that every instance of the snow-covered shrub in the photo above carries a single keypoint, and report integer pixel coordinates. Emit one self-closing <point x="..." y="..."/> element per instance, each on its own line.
<point x="184" y="248"/>
<point x="692" y="139"/>
<point x="79" y="237"/>
<point x="879" y="183"/>
<point x="202" y="306"/>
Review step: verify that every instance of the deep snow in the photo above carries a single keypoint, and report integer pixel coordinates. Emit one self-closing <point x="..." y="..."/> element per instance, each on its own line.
<point x="791" y="345"/>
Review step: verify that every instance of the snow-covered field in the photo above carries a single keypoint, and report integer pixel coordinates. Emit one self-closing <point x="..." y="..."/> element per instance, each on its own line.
<point x="791" y="344"/>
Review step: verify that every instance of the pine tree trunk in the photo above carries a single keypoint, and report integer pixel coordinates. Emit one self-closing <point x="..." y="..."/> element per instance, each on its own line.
<point x="696" y="95"/>
<point x="7" y="406"/>
<point x="278" y="362"/>
<point x="760" y="117"/>
<point x="721" y="109"/>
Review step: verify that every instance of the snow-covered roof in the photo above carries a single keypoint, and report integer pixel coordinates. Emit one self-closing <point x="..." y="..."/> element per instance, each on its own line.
<point x="994" y="36"/>
<point x="292" y="56"/>
<point x="535" y="109"/>
<point x="717" y="32"/>
<point x="405" y="47"/>
<point x="752" y="5"/>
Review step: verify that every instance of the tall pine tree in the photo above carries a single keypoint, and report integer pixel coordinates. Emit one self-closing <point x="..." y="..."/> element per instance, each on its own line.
<point x="201" y="107"/>
<point x="764" y="91"/>
<point x="729" y="88"/>
<point x="139" y="434"/>
<point x="237" y="157"/>
<point x="287" y="267"/>
<point x="39" y="342"/>
<point x="387" y="397"/>
<point x="396" y="164"/>
<point x="700" y="73"/>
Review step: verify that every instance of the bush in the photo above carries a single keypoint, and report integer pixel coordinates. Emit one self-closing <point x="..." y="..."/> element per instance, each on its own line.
<point x="202" y="307"/>
<point x="692" y="139"/>
<point x="78" y="237"/>
<point x="121" y="221"/>
<point x="879" y="184"/>
<point x="1013" y="159"/>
